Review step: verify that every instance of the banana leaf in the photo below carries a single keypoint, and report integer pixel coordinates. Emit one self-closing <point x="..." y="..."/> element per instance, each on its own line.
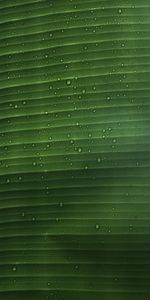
<point x="75" y="149"/>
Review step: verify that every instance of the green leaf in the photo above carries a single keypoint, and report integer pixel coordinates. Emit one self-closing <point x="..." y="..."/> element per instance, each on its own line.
<point x="74" y="149"/>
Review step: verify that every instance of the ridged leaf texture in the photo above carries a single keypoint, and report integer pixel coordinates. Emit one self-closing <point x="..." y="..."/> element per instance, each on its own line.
<point x="75" y="149"/>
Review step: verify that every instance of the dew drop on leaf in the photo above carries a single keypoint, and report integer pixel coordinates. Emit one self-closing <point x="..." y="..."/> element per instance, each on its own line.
<point x="97" y="226"/>
<point x="68" y="82"/>
<point x="99" y="160"/>
<point x="114" y="141"/>
<point x="79" y="150"/>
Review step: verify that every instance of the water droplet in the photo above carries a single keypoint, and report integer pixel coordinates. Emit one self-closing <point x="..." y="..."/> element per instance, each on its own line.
<point x="34" y="163"/>
<point x="8" y="180"/>
<point x="97" y="226"/>
<point x="68" y="82"/>
<point x="99" y="160"/>
<point x="79" y="150"/>
<point x="114" y="141"/>
<point x="83" y="91"/>
<point x="14" y="268"/>
<point x="119" y="10"/>
<point x="23" y="214"/>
